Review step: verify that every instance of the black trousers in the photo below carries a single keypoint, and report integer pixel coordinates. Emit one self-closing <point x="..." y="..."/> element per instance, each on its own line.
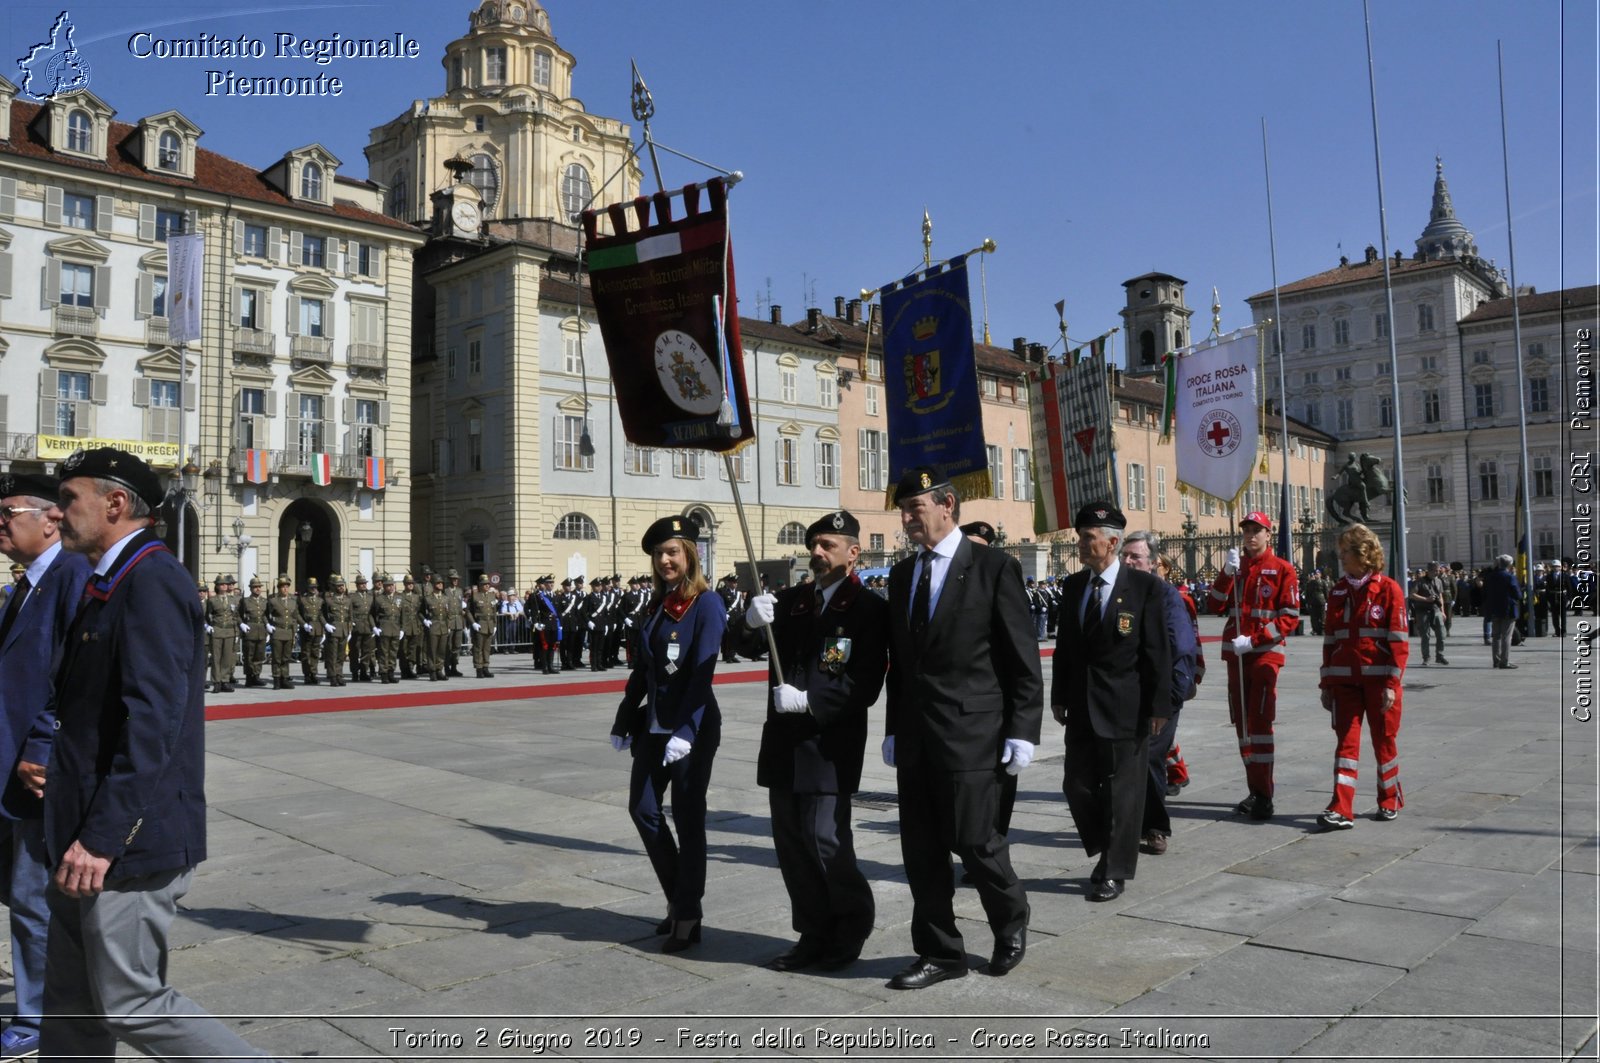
<point x="1105" y="782"/>
<point x="1155" y="794"/>
<point x="680" y="865"/>
<point x="945" y="812"/>
<point x="829" y="897"/>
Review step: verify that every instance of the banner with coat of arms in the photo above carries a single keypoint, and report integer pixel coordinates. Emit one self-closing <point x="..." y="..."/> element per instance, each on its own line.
<point x="664" y="296"/>
<point x="931" y="380"/>
<point x="1218" y="421"/>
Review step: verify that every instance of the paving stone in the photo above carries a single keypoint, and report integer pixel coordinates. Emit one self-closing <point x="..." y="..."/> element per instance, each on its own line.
<point x="1119" y="958"/>
<point x="1334" y="859"/>
<point x="1555" y="908"/>
<point x="1252" y="980"/>
<point x="1364" y="932"/>
<point x="1473" y="977"/>
<point x="1422" y="1037"/>
<point x="1418" y="885"/>
<point x="1233" y="904"/>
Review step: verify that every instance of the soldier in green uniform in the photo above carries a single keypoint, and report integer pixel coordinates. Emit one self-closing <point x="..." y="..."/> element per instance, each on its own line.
<point x="253" y="632"/>
<point x="235" y="597"/>
<point x="436" y="626"/>
<point x="283" y="620"/>
<point x="387" y="627"/>
<point x="204" y="590"/>
<point x="336" y="609"/>
<point x="457" y="606"/>
<point x="222" y="627"/>
<point x="361" y="640"/>
<point x="412" y="652"/>
<point x="310" y="630"/>
<point x="483" y="610"/>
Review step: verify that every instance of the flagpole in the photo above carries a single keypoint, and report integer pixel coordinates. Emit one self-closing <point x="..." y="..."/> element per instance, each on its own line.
<point x="1523" y="488"/>
<point x="1399" y="566"/>
<point x="1284" y="544"/>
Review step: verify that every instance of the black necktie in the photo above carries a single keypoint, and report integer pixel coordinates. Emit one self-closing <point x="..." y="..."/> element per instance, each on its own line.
<point x="1091" y="615"/>
<point x="19" y="591"/>
<point x="920" y="602"/>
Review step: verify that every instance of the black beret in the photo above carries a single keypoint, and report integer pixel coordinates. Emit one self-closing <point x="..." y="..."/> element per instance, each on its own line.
<point x="111" y="463"/>
<point x="32" y="484"/>
<point x="982" y="529"/>
<point x="670" y="528"/>
<point x="1100" y="515"/>
<point x="919" y="480"/>
<point x="837" y="523"/>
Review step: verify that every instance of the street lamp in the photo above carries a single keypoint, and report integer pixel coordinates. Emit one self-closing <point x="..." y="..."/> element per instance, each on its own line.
<point x="238" y="541"/>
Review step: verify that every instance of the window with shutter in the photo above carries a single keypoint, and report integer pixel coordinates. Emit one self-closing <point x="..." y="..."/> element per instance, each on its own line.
<point x="105" y="212"/>
<point x="5" y="274"/>
<point x="147" y="222"/>
<point x="53" y="199"/>
<point x="8" y="197"/>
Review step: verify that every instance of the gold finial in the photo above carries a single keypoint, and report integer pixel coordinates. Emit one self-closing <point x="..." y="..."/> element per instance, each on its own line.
<point x="1216" y="313"/>
<point x="927" y="239"/>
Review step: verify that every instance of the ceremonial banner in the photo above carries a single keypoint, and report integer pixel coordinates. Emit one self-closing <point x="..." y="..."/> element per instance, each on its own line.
<point x="1071" y="438"/>
<point x="664" y="295"/>
<point x="322" y="469"/>
<point x="256" y="466"/>
<point x="1218" y="426"/>
<point x="375" y="479"/>
<point x="185" y="262"/>
<point x="931" y="380"/>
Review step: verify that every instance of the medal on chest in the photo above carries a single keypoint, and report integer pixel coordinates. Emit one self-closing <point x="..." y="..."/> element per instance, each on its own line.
<point x="835" y="653"/>
<point x="674" y="651"/>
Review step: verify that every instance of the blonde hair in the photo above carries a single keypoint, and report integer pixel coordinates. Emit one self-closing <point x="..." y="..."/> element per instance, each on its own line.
<point x="1365" y="544"/>
<point x="694" y="579"/>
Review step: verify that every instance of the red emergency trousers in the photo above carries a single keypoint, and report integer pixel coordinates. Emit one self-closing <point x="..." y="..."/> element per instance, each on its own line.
<point x="1364" y="651"/>
<point x="1177" y="770"/>
<point x="1261" y="600"/>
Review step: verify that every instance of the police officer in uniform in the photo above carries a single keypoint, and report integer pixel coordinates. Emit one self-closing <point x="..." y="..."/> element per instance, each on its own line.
<point x="572" y="623"/>
<point x="456" y="606"/>
<point x="222" y="626"/>
<point x="283" y="620"/>
<point x="483" y="609"/>
<point x="310" y="630"/>
<point x="337" y="609"/>
<point x="545" y="616"/>
<point x="253" y="632"/>
<point x="388" y="626"/>
<point x="361" y="640"/>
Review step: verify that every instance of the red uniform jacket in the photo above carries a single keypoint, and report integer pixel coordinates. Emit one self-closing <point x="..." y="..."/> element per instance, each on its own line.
<point x="1267" y="607"/>
<point x="1367" y="638"/>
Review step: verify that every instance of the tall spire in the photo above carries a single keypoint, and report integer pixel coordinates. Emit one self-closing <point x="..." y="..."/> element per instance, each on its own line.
<point x="1445" y="236"/>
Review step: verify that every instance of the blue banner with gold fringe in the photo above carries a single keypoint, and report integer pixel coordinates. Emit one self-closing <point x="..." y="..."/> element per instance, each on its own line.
<point x="931" y="380"/>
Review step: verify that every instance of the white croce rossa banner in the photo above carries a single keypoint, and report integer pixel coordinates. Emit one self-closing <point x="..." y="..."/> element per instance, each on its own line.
<point x="1217" y="424"/>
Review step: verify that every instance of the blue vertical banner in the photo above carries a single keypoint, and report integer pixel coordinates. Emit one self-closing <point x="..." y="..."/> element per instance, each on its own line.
<point x="931" y="380"/>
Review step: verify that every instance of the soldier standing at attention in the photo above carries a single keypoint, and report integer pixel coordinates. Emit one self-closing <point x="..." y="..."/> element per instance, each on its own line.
<point x="411" y="653"/>
<point x="483" y="609"/>
<point x="361" y="641"/>
<point x="253" y="632"/>
<point x="204" y="591"/>
<point x="387" y="628"/>
<point x="310" y="630"/>
<point x="456" y="596"/>
<point x="222" y="626"/>
<point x="283" y="619"/>
<point x="336" y="611"/>
<point x="436" y="626"/>
<point x="545" y="616"/>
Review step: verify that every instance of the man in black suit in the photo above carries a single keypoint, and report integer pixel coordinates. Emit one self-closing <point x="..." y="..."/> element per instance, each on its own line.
<point x="832" y="638"/>
<point x="124" y="793"/>
<point x="1110" y="686"/>
<point x="964" y="709"/>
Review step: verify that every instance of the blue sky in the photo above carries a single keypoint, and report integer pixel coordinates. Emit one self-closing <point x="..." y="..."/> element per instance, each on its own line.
<point x="1092" y="142"/>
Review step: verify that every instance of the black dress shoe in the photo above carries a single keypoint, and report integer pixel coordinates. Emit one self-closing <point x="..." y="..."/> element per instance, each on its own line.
<point x="1098" y="875"/>
<point x="1108" y="890"/>
<point x="838" y="957"/>
<point x="665" y="926"/>
<point x="685" y="933"/>
<point x="1008" y="953"/>
<point x="924" y="973"/>
<point x="804" y="954"/>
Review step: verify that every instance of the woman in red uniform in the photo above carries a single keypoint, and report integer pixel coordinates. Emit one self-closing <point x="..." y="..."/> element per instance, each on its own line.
<point x="1363" y="662"/>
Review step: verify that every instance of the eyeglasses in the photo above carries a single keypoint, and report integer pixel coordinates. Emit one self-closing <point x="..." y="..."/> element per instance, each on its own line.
<point x="7" y="512"/>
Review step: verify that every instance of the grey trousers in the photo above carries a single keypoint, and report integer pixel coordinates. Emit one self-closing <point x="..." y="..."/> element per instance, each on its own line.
<point x="106" y="978"/>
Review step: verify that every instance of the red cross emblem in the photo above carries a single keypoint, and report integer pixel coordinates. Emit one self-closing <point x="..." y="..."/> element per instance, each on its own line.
<point x="1219" y="434"/>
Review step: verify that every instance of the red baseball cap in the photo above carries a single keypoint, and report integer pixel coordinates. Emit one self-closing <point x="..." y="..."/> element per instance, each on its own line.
<point x="1255" y="516"/>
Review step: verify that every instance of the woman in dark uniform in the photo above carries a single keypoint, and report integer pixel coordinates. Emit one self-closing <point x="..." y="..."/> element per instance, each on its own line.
<point x="669" y="718"/>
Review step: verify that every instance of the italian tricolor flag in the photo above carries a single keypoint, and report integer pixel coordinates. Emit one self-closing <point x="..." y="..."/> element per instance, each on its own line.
<point x="666" y="245"/>
<point x="322" y="469"/>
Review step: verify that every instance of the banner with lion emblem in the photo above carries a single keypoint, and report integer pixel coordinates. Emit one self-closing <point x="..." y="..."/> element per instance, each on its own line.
<point x="664" y="296"/>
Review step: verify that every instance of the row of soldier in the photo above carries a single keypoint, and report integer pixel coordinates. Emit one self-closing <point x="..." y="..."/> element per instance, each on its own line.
<point x="569" y="623"/>
<point x="373" y="632"/>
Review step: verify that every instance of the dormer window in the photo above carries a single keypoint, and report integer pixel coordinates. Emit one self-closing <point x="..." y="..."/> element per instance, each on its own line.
<point x="170" y="154"/>
<point x="311" y="181"/>
<point x="80" y="132"/>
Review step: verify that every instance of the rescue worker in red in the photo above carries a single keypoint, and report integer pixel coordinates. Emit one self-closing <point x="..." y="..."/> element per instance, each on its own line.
<point x="1259" y="593"/>
<point x="1364" y="652"/>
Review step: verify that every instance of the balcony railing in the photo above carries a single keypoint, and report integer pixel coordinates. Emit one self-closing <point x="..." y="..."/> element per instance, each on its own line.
<point x="253" y="341"/>
<point x="77" y="321"/>
<point x="20" y="445"/>
<point x="156" y="332"/>
<point x="367" y="356"/>
<point x="317" y="349"/>
<point x="294" y="461"/>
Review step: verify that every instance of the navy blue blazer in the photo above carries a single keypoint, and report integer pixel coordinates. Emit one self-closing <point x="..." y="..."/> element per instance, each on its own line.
<point x="127" y="775"/>
<point x="680" y="699"/>
<point x="27" y="725"/>
<point x="1114" y="676"/>
<point x="1502" y="594"/>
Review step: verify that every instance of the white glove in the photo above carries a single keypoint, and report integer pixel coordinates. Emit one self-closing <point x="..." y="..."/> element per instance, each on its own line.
<point x="619" y="743"/>
<point x="762" y="608"/>
<point x="1018" y="755"/>
<point x="536" y="627"/>
<point x="479" y="627"/>
<point x="786" y="698"/>
<point x="1231" y="565"/>
<point x="627" y="621"/>
<point x="244" y="627"/>
<point x="328" y="628"/>
<point x="210" y="630"/>
<point x="591" y="625"/>
<point x="377" y="631"/>
<point x="426" y="622"/>
<point x="402" y="634"/>
<point x="1241" y="644"/>
<point x="677" y="749"/>
<point x="271" y="629"/>
<point x="888" y="751"/>
<point x="307" y="628"/>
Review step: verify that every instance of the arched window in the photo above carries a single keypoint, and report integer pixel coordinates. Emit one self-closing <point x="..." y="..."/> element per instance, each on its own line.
<point x="485" y="177"/>
<point x="399" y="195"/>
<point x="311" y="181"/>
<point x="79" y="131"/>
<point x="575" y="191"/>
<point x="792" y="534"/>
<point x="1147" y="348"/>
<point x="576" y="526"/>
<point x="170" y="155"/>
<point x="541" y="68"/>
